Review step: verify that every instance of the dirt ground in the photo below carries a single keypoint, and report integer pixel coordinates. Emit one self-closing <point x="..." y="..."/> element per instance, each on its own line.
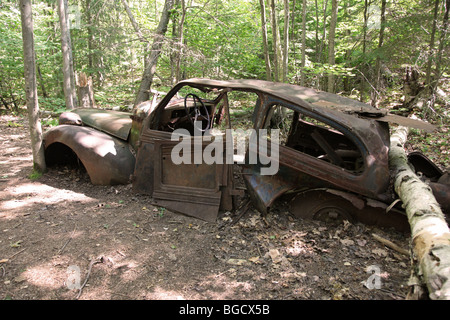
<point x="62" y="238"/>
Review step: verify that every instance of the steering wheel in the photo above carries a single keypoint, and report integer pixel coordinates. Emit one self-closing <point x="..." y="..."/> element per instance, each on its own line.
<point x="196" y="113"/>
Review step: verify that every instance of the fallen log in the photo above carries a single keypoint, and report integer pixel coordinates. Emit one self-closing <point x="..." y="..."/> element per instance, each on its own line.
<point x="430" y="234"/>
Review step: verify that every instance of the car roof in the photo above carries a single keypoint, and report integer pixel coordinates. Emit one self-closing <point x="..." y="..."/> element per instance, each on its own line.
<point x="317" y="101"/>
<point x="293" y="93"/>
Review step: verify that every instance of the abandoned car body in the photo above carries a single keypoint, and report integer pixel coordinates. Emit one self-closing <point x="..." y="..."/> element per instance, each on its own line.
<point x="331" y="151"/>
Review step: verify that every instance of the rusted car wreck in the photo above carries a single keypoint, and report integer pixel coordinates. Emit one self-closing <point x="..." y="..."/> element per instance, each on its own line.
<point x="331" y="151"/>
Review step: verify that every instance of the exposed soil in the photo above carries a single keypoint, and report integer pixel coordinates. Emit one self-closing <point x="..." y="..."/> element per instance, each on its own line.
<point x="126" y="248"/>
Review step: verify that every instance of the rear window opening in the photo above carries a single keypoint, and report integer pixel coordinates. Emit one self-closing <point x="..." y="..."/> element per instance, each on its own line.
<point x="314" y="138"/>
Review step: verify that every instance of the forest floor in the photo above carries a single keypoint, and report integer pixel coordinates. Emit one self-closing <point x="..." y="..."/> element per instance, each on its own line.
<point x="59" y="230"/>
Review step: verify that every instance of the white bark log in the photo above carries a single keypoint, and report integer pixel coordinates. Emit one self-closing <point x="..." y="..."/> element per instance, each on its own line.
<point x="430" y="234"/>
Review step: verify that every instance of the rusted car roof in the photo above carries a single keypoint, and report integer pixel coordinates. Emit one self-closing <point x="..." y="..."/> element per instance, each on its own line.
<point x="317" y="101"/>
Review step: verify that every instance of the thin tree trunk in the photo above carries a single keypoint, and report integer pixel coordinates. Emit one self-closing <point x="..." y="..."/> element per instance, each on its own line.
<point x="41" y="81"/>
<point x="293" y="36"/>
<point x="152" y="58"/>
<point x="133" y="22"/>
<point x="303" y="61"/>
<point x="322" y="80"/>
<point x="286" y="40"/>
<point x="431" y="49"/>
<point x="317" y="30"/>
<point x="180" y="42"/>
<point x="362" y="88"/>
<point x="331" y="36"/>
<point x="324" y="32"/>
<point x="276" y="42"/>
<point x="442" y="38"/>
<point x="138" y="31"/>
<point x="66" y="46"/>
<point x="37" y="146"/>
<point x="378" y="60"/>
<point x="175" y="42"/>
<point x="430" y="234"/>
<point x="265" y="42"/>
<point x="90" y="34"/>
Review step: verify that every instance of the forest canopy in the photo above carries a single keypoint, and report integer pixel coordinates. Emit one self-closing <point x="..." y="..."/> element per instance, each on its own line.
<point x="362" y="49"/>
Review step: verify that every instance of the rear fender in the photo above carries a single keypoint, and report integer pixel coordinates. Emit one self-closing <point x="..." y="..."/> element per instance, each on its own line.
<point x="107" y="160"/>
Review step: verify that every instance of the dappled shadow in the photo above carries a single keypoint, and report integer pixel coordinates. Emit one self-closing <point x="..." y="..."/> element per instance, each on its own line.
<point x="62" y="221"/>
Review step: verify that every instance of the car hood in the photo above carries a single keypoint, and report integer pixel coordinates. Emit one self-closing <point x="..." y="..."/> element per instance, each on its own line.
<point x="115" y="123"/>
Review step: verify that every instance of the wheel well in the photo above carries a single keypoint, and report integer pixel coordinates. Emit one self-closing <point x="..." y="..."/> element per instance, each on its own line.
<point x="60" y="154"/>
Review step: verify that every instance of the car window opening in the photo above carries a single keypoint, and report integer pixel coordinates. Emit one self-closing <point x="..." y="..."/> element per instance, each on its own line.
<point x="314" y="138"/>
<point x="210" y="110"/>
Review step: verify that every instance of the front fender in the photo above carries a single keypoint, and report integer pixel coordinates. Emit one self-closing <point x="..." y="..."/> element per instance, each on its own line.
<point x="107" y="160"/>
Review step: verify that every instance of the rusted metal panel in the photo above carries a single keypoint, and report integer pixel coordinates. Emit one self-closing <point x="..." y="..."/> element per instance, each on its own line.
<point x="308" y="171"/>
<point x="115" y="123"/>
<point x="264" y="190"/>
<point x="107" y="160"/>
<point x="333" y="205"/>
<point x="423" y="165"/>
<point x="442" y="194"/>
<point x="192" y="189"/>
<point x="70" y="118"/>
<point x="408" y="122"/>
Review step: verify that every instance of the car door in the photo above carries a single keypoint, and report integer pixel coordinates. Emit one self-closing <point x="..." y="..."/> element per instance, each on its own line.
<point x="194" y="188"/>
<point x="310" y="154"/>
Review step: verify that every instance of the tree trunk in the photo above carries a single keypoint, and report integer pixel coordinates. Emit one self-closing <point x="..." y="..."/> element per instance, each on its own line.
<point x="293" y="36"/>
<point x="90" y="34"/>
<point x="317" y="30"/>
<point x="431" y="49"/>
<point x="303" y="61"/>
<point x="179" y="54"/>
<point x="66" y="46"/>
<point x="286" y="40"/>
<point x="133" y="22"/>
<point x="265" y="42"/>
<point x="430" y="234"/>
<point x="411" y="87"/>
<point x="85" y="91"/>
<point x="41" y="81"/>
<point x="331" y="54"/>
<point x="152" y="58"/>
<point x="320" y="44"/>
<point x="378" y="60"/>
<point x="37" y="146"/>
<point x="362" y="88"/>
<point x="442" y="38"/>
<point x="320" y="58"/>
<point x="138" y="31"/>
<point x="277" y="53"/>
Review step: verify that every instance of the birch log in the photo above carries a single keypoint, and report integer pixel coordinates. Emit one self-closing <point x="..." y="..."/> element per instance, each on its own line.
<point x="430" y="234"/>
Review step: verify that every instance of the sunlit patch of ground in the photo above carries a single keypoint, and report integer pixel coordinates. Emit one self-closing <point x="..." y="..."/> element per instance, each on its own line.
<point x="17" y="199"/>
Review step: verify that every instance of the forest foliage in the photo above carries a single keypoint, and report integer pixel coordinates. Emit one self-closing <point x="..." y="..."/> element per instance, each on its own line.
<point x="224" y="40"/>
